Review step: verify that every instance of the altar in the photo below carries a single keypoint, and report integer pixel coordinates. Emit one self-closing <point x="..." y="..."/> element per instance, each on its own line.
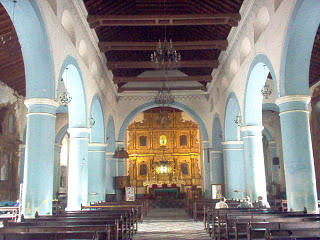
<point x="165" y="192"/>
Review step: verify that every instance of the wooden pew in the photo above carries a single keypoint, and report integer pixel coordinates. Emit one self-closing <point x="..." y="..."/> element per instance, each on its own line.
<point x="131" y="208"/>
<point x="93" y="223"/>
<point x="142" y="205"/>
<point x="300" y="233"/>
<point x="258" y="230"/>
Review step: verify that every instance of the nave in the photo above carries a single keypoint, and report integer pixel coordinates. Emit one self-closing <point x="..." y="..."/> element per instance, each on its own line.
<point x="170" y="223"/>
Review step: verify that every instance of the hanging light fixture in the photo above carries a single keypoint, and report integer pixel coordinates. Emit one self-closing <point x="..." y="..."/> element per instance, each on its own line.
<point x="6" y="41"/>
<point x="266" y="91"/>
<point x="164" y="96"/>
<point x="165" y="57"/>
<point x="65" y="97"/>
<point x="91" y="121"/>
<point x="238" y="120"/>
<point x="164" y="99"/>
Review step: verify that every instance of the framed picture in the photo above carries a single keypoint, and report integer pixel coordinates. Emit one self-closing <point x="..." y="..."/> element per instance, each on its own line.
<point x="130" y="194"/>
<point x="216" y="191"/>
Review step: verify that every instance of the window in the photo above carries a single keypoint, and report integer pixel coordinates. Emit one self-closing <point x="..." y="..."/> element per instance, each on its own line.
<point x="183" y="140"/>
<point x="143" y="141"/>
<point x="4" y="167"/>
<point x="10" y="124"/>
<point x="143" y="169"/>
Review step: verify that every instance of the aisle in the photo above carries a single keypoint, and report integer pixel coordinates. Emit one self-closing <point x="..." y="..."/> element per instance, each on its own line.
<point x="170" y="224"/>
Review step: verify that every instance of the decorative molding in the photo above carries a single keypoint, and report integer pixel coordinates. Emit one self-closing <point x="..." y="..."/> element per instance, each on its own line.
<point x="78" y="130"/>
<point x="41" y="101"/>
<point x="82" y="13"/>
<point x="252" y="128"/>
<point x="232" y="142"/>
<point x="151" y="97"/>
<point x="213" y="152"/>
<point x="291" y="111"/>
<point x="293" y="98"/>
<point x="246" y="11"/>
<point x="93" y="144"/>
<point x="41" y="113"/>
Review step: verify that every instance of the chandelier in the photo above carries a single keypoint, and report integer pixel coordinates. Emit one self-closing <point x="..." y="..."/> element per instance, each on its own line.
<point x="238" y="120"/>
<point x="65" y="98"/>
<point x="164" y="99"/>
<point x="164" y="96"/>
<point x="165" y="57"/>
<point x="266" y="91"/>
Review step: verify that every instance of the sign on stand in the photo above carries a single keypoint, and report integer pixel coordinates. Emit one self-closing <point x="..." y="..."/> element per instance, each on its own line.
<point x="130" y="194"/>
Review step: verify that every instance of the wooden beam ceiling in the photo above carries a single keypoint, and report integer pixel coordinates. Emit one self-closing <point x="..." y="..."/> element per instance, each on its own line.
<point x="201" y="88"/>
<point x="205" y="78"/>
<point x="148" y="64"/>
<point x="151" y="46"/>
<point x="96" y="21"/>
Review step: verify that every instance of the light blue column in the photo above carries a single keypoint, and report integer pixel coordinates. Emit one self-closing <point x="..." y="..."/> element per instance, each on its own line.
<point x="39" y="158"/>
<point x="96" y="175"/>
<point x="234" y="173"/>
<point x="120" y="165"/>
<point x="275" y="168"/>
<point x="22" y="153"/>
<point x="297" y="153"/>
<point x="78" y="168"/>
<point x="217" y="167"/>
<point x="56" y="178"/>
<point x="206" y="170"/>
<point x="254" y="162"/>
<point x="110" y="173"/>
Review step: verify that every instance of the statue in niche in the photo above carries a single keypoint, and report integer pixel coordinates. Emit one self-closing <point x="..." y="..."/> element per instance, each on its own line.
<point x="4" y="167"/>
<point x="143" y="141"/>
<point x="184" y="168"/>
<point x="143" y="169"/>
<point x="183" y="140"/>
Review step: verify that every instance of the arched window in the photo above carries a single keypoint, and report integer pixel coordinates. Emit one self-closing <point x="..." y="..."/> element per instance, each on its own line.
<point x="4" y="167"/>
<point x="183" y="140"/>
<point x="10" y="123"/>
<point x="143" y="141"/>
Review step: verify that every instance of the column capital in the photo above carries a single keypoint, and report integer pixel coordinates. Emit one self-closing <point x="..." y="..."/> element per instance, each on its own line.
<point x="293" y="98"/>
<point x="41" y="101"/>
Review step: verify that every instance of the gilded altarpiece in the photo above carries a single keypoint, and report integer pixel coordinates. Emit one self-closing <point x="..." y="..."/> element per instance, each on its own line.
<point x="163" y="154"/>
<point x="9" y="153"/>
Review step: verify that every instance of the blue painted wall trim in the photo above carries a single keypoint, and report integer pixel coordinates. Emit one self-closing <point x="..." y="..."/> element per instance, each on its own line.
<point x="256" y="78"/>
<point x="35" y="46"/>
<point x="295" y="62"/>
<point x="60" y="135"/>
<point x="232" y="109"/>
<point x="152" y="104"/>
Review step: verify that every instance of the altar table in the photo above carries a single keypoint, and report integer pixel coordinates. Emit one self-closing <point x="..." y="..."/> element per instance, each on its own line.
<point x="162" y="191"/>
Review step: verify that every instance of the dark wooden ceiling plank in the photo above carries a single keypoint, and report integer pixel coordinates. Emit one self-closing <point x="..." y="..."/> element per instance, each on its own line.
<point x="138" y="46"/>
<point x="206" y="78"/>
<point x="148" y="64"/>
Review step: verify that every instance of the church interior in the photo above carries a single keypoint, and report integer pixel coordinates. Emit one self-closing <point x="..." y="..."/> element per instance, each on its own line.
<point x="168" y="102"/>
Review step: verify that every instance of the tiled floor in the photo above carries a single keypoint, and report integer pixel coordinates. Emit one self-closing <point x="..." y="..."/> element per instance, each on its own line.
<point x="169" y="224"/>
